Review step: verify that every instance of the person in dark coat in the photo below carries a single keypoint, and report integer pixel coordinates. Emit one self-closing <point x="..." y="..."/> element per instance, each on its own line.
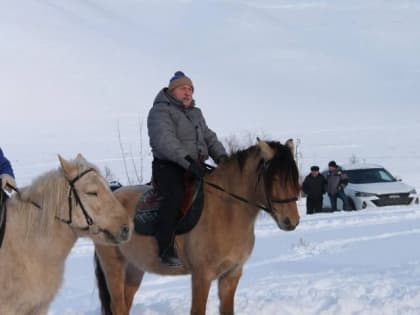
<point x="336" y="181"/>
<point x="314" y="187"/>
<point x="181" y="141"/>
<point x="7" y="177"/>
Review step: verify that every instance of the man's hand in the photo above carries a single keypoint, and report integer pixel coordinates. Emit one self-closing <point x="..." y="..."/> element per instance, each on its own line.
<point x="7" y="182"/>
<point x="221" y="159"/>
<point x="196" y="170"/>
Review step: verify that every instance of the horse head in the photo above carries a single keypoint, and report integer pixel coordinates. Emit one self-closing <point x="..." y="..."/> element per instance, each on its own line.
<point x="92" y="209"/>
<point x="279" y="183"/>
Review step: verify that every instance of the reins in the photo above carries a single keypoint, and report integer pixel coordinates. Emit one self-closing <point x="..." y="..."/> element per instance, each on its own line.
<point x="244" y="200"/>
<point x="18" y="193"/>
<point x="3" y="214"/>
<point x="262" y="172"/>
<point x="3" y="210"/>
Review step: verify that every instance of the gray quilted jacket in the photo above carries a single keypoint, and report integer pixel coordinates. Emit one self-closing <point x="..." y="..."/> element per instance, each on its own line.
<point x="175" y="132"/>
<point x="336" y="181"/>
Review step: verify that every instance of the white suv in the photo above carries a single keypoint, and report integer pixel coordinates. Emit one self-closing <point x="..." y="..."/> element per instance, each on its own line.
<point x="372" y="185"/>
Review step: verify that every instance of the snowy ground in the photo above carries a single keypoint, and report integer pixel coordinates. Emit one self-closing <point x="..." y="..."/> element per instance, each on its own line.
<point x="363" y="262"/>
<point x="340" y="75"/>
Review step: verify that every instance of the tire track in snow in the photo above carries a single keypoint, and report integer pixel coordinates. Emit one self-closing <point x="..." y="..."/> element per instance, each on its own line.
<point x="305" y="249"/>
<point x="329" y="221"/>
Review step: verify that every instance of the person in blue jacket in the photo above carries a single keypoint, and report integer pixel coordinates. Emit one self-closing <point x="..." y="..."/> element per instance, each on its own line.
<point x="7" y="177"/>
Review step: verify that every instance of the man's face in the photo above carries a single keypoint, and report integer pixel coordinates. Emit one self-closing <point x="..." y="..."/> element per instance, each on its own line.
<point x="314" y="173"/>
<point x="332" y="169"/>
<point x="184" y="94"/>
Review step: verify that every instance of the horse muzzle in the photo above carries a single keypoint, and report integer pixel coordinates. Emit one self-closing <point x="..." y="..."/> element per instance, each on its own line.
<point x="287" y="225"/>
<point x="122" y="235"/>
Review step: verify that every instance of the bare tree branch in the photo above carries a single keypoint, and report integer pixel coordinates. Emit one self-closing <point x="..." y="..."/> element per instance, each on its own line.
<point x="123" y="153"/>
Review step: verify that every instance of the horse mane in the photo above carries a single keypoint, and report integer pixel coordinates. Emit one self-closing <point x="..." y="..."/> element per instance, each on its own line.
<point x="49" y="191"/>
<point x="282" y="165"/>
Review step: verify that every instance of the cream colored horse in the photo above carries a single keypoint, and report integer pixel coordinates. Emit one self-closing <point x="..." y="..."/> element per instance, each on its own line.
<point x="44" y="221"/>
<point x="265" y="175"/>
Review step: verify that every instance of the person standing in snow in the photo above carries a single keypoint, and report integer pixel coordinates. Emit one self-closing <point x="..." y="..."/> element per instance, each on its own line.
<point x="181" y="141"/>
<point x="336" y="181"/>
<point x="314" y="187"/>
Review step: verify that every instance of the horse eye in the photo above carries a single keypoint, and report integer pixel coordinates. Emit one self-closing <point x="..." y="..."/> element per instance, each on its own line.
<point x="92" y="193"/>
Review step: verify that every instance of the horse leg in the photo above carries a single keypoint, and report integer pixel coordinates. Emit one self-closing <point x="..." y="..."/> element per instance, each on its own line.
<point x="133" y="278"/>
<point x="112" y="291"/>
<point x="227" y="287"/>
<point x="200" y="292"/>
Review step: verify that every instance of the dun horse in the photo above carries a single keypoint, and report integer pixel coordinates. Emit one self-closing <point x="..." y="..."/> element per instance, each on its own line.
<point x="263" y="176"/>
<point x="43" y="222"/>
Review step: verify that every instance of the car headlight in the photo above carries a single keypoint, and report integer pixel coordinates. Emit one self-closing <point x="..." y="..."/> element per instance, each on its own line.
<point x="364" y="194"/>
<point x="412" y="191"/>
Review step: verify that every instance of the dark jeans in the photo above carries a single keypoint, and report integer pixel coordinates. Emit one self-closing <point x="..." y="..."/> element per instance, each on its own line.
<point x="169" y="181"/>
<point x="342" y="196"/>
<point x="313" y="204"/>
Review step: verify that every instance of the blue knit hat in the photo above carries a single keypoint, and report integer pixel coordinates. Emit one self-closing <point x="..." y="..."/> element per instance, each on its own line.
<point x="179" y="79"/>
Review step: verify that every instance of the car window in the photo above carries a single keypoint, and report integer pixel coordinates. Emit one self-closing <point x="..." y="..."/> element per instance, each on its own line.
<point x="385" y="176"/>
<point x="370" y="175"/>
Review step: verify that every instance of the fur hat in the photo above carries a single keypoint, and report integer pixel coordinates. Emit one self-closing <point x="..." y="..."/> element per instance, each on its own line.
<point x="179" y="79"/>
<point x="315" y="168"/>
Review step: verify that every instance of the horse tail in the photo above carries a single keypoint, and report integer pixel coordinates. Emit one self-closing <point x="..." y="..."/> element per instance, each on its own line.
<point x="104" y="295"/>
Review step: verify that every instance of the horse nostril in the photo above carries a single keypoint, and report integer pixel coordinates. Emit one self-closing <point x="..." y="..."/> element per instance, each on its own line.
<point x="125" y="232"/>
<point x="287" y="222"/>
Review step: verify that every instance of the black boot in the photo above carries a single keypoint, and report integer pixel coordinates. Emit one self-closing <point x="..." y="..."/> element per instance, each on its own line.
<point x="170" y="258"/>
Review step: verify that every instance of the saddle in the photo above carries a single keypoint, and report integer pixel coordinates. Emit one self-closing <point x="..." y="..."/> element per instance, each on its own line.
<point x="147" y="209"/>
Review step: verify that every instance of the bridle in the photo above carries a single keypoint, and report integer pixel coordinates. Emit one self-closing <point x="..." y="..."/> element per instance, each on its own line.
<point x="73" y="191"/>
<point x="262" y="173"/>
<point x="90" y="224"/>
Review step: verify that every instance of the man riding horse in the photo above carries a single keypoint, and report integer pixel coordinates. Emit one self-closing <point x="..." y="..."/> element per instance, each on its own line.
<point x="181" y="141"/>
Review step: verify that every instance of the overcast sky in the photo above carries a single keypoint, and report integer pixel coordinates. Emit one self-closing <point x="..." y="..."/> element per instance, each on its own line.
<point x="75" y="69"/>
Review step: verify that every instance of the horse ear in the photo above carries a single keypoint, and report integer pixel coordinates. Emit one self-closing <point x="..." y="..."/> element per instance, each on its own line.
<point x="65" y="165"/>
<point x="291" y="145"/>
<point x="81" y="158"/>
<point x="266" y="151"/>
